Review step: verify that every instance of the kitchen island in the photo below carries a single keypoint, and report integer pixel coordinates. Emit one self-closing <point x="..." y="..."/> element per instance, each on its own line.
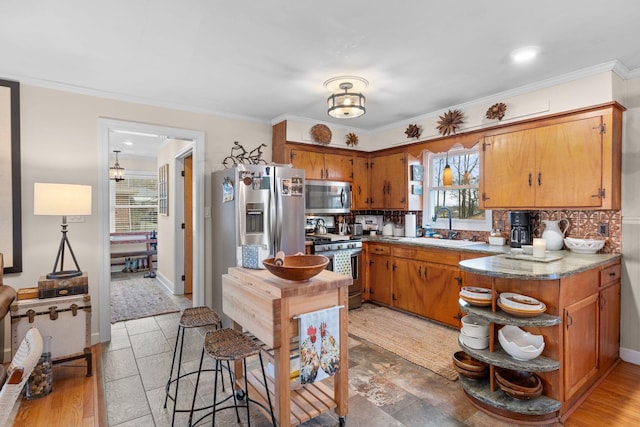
<point x="267" y="307"/>
<point x="581" y="328"/>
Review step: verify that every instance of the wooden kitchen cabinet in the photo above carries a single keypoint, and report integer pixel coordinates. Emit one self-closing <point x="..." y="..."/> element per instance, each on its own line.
<point x="442" y="294"/>
<point x="361" y="196"/>
<point x="389" y="181"/>
<point x="409" y="285"/>
<point x="567" y="162"/>
<point x="319" y="165"/>
<point x="379" y="273"/>
<point x="581" y="343"/>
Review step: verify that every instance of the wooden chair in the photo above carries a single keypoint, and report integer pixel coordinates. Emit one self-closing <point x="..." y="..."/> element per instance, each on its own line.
<point x="19" y="371"/>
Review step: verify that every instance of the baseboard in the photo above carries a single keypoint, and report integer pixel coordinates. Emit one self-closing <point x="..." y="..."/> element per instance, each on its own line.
<point x="631" y="356"/>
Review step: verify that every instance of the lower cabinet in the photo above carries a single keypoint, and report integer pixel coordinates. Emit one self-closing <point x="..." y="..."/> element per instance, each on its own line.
<point x="581" y="330"/>
<point x="581" y="339"/>
<point x="425" y="282"/>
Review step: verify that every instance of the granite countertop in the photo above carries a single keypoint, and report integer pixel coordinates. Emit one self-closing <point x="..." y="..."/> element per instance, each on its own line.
<point x="451" y="245"/>
<point x="496" y="263"/>
<point x="570" y="263"/>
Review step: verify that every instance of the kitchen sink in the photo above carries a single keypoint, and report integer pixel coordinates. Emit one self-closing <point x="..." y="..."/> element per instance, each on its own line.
<point x="440" y="242"/>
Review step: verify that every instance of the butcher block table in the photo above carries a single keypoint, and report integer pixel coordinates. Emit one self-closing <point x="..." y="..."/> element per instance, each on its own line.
<point x="266" y="307"/>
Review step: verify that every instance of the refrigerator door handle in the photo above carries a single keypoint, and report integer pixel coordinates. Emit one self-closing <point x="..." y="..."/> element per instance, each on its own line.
<point x="278" y="221"/>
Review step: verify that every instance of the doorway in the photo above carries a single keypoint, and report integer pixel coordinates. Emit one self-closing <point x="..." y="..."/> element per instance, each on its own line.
<point x="195" y="149"/>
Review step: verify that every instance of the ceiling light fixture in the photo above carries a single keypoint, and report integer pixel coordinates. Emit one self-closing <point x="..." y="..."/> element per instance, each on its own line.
<point x="524" y="54"/>
<point x="349" y="102"/>
<point x="116" y="172"/>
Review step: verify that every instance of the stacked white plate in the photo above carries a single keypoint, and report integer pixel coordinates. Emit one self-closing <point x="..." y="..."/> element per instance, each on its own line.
<point x="520" y="305"/>
<point x="475" y="332"/>
<point x="476" y="296"/>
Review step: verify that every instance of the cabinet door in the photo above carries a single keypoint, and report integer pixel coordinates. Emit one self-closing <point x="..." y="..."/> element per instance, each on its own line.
<point x="389" y="182"/>
<point x="581" y="336"/>
<point x="408" y="285"/>
<point x="380" y="278"/>
<point x="361" y="178"/>
<point x="338" y="167"/>
<point x="508" y="170"/>
<point x="569" y="164"/>
<point x="609" y="325"/>
<point x="310" y="161"/>
<point x="442" y="290"/>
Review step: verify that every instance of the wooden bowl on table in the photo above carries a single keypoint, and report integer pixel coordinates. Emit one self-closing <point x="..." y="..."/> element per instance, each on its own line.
<point x="297" y="267"/>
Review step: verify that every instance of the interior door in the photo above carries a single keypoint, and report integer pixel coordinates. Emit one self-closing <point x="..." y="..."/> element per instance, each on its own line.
<point x="188" y="224"/>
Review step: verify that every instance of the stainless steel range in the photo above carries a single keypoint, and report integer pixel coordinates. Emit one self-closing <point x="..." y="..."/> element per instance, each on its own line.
<point x="330" y="248"/>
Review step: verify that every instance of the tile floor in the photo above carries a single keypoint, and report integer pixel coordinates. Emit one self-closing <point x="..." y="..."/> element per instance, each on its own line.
<point x="385" y="390"/>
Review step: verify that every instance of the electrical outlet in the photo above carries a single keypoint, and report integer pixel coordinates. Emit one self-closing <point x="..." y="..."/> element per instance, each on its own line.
<point x="75" y="218"/>
<point x="500" y="224"/>
<point x="603" y="229"/>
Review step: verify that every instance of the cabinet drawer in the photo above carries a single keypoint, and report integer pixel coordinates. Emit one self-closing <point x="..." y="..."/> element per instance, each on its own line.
<point x="428" y="255"/>
<point x="379" y="249"/>
<point x="610" y="274"/>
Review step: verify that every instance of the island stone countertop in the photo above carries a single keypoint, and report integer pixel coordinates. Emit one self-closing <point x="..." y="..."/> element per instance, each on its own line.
<point x="569" y="263"/>
<point x="451" y="245"/>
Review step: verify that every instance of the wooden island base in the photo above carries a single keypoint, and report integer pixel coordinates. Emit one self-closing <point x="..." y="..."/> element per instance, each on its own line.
<point x="266" y="306"/>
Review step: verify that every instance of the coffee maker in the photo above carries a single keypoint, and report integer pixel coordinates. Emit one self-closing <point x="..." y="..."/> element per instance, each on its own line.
<point x="520" y="228"/>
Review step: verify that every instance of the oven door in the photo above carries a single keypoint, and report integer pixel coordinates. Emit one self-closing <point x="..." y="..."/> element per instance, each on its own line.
<point x="355" y="289"/>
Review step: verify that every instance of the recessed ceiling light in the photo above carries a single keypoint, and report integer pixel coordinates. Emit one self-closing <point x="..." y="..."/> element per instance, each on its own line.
<point x="524" y="54"/>
<point x="128" y="143"/>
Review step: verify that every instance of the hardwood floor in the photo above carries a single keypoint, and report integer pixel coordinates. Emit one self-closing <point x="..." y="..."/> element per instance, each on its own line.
<point x="76" y="400"/>
<point x="79" y="401"/>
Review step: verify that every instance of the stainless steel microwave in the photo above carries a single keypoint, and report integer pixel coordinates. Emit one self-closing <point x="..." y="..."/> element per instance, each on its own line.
<point x="327" y="197"/>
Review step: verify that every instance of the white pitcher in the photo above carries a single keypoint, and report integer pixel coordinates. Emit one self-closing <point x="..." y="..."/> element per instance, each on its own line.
<point x="553" y="235"/>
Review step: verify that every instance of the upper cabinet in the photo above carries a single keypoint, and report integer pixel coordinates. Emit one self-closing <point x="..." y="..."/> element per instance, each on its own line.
<point x="318" y="165"/>
<point x="389" y="181"/>
<point x="572" y="161"/>
<point x="361" y="196"/>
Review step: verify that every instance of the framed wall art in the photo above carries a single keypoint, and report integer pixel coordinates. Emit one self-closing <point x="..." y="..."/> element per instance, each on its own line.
<point x="10" y="195"/>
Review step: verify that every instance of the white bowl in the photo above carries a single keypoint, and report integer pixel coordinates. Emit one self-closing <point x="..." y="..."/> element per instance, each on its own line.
<point x="520" y="302"/>
<point x="476" y="293"/>
<point x="475" y="326"/>
<point x="477" y="343"/>
<point x="583" y="246"/>
<point x="520" y="344"/>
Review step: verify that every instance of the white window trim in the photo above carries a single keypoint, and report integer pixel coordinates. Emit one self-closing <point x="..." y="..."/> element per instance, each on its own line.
<point x="443" y="223"/>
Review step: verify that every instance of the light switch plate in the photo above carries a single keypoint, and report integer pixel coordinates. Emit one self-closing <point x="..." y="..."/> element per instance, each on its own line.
<point x="75" y="218"/>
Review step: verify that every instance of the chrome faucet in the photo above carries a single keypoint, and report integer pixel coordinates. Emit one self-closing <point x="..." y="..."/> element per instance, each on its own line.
<point x="451" y="234"/>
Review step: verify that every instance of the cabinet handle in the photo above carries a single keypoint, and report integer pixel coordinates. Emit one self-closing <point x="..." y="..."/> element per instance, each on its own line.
<point x="539" y="179"/>
<point x="529" y="179"/>
<point x="326" y="173"/>
<point x="370" y="263"/>
<point x="419" y="271"/>
<point x="425" y="273"/>
<point x="387" y="264"/>
<point x="359" y="190"/>
<point x="459" y="280"/>
<point x="393" y="267"/>
<point x="569" y="320"/>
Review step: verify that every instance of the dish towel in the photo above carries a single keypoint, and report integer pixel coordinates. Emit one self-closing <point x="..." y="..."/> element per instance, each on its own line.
<point x="319" y="344"/>
<point x="342" y="263"/>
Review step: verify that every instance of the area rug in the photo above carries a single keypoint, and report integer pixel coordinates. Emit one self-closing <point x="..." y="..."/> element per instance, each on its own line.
<point x="419" y="341"/>
<point x="137" y="298"/>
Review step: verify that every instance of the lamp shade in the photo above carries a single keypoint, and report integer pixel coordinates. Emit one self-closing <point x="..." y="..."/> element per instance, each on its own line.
<point x="61" y="199"/>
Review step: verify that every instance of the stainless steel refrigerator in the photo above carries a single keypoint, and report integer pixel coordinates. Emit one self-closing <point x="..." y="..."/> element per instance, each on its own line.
<point x="256" y="211"/>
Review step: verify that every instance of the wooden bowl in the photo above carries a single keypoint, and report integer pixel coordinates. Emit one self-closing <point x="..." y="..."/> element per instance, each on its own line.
<point x="523" y="381"/>
<point x="297" y="267"/>
<point x="468" y="363"/>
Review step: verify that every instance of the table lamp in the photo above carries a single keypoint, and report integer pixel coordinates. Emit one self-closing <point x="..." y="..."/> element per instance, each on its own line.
<point x="62" y="199"/>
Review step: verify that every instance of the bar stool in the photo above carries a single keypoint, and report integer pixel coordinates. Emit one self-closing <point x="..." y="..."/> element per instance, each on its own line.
<point x="194" y="317"/>
<point x="231" y="345"/>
